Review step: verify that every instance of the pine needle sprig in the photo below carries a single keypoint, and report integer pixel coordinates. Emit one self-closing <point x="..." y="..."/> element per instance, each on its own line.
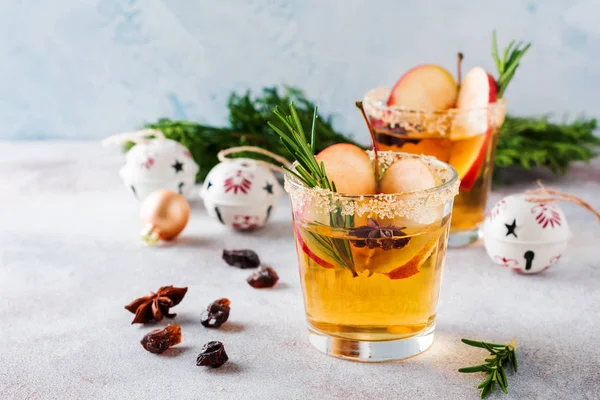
<point x="494" y="366"/>
<point x="536" y="142"/>
<point x="508" y="64"/>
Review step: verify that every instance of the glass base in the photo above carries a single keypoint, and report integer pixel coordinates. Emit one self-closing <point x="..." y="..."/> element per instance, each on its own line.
<point x="463" y="238"/>
<point x="357" y="350"/>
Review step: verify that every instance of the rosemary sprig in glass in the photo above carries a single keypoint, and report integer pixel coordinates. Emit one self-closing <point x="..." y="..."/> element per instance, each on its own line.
<point x="494" y="366"/>
<point x="312" y="174"/>
<point x="507" y="65"/>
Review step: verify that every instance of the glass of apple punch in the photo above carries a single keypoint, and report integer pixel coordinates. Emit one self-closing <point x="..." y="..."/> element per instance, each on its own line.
<point x="371" y="253"/>
<point x="458" y="121"/>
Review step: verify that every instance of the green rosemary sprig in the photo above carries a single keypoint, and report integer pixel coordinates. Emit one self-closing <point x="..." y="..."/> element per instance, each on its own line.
<point x="312" y="174"/>
<point x="308" y="170"/>
<point x="507" y="65"/>
<point x="494" y="366"/>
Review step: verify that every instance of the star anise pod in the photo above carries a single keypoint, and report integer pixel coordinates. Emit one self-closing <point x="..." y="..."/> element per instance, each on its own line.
<point x="374" y="235"/>
<point x="156" y="306"/>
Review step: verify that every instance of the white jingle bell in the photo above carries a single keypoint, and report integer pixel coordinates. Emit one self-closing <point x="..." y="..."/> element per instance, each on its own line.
<point x="241" y="193"/>
<point x="528" y="237"/>
<point x="156" y="163"/>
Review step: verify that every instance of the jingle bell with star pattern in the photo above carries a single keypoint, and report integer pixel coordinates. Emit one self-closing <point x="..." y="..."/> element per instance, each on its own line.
<point x="241" y="193"/>
<point x="156" y="164"/>
<point x="528" y="237"/>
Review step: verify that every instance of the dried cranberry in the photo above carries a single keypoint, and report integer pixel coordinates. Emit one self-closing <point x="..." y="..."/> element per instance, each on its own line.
<point x="216" y="314"/>
<point x="264" y="277"/>
<point x="160" y="340"/>
<point x="241" y="258"/>
<point x="213" y="355"/>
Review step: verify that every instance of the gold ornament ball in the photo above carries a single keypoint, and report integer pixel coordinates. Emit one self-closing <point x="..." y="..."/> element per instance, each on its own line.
<point x="165" y="214"/>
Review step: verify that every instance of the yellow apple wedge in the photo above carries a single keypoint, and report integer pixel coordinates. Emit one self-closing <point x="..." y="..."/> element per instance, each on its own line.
<point x="406" y="175"/>
<point x="350" y="168"/>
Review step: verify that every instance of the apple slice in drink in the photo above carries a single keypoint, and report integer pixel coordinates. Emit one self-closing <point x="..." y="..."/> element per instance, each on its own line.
<point x="425" y="87"/>
<point x="409" y="175"/>
<point x="472" y="132"/>
<point x="406" y="175"/>
<point x="403" y="176"/>
<point x="397" y="263"/>
<point x="312" y="251"/>
<point x="349" y="167"/>
<point x="351" y="170"/>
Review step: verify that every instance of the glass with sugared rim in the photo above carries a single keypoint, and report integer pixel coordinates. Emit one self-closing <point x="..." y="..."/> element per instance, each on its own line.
<point x="464" y="138"/>
<point x="371" y="265"/>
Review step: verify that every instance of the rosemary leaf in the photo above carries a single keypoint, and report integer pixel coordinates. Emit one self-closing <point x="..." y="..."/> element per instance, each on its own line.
<point x="480" y="344"/>
<point x="298" y="124"/>
<point x="514" y="361"/>
<point x="476" y="368"/>
<point x="312" y="134"/>
<point x="486" y="390"/>
<point x="306" y="176"/>
<point x="299" y="177"/>
<point x="485" y="382"/>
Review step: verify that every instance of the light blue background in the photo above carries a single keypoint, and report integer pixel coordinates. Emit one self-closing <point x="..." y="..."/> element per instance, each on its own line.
<point x="91" y="68"/>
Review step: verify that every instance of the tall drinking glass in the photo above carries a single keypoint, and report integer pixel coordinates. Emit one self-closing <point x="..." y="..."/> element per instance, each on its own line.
<point x="466" y="139"/>
<point x="371" y="265"/>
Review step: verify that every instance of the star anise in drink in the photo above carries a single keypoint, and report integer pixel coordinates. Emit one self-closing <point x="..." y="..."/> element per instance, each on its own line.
<point x="374" y="235"/>
<point x="156" y="306"/>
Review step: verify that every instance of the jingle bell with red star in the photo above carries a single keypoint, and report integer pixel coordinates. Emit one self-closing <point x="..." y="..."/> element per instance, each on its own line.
<point x="241" y="193"/>
<point x="528" y="237"/>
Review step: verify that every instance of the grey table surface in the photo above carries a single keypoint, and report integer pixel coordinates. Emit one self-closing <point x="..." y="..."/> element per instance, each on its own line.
<point x="70" y="259"/>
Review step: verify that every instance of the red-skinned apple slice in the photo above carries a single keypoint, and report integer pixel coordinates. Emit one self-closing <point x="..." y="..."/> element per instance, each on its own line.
<point x="425" y="87"/>
<point x="477" y="91"/>
<point x="309" y="252"/>
<point x="400" y="264"/>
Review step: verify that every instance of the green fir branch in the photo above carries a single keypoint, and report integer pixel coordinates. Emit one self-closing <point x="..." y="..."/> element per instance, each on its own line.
<point x="537" y="142"/>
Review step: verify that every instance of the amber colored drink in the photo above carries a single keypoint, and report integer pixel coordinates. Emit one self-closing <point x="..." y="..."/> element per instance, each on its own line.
<point x="371" y="265"/>
<point x="465" y="139"/>
<point x="393" y="296"/>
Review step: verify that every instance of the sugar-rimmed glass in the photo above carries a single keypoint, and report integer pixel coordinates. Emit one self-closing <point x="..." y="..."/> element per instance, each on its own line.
<point x="466" y="139"/>
<point x="371" y="265"/>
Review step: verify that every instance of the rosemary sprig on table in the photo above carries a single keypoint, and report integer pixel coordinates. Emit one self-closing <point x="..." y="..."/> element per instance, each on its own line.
<point x="507" y="65"/>
<point x="494" y="366"/>
<point x="312" y="174"/>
